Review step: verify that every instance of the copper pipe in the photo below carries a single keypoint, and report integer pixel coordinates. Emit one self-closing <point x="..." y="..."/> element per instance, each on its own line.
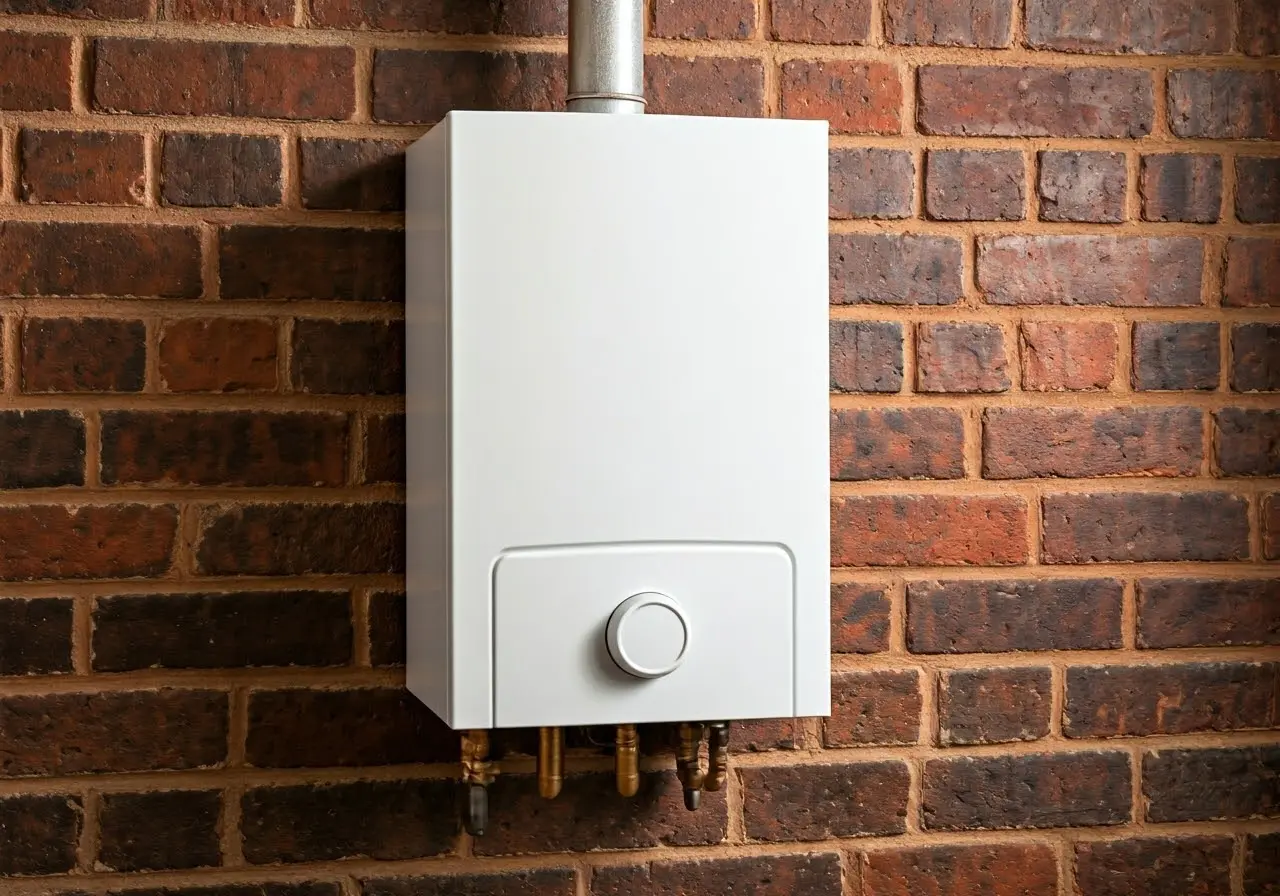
<point x="689" y="765"/>
<point x="627" y="760"/>
<point x="717" y="755"/>
<point x="550" y="762"/>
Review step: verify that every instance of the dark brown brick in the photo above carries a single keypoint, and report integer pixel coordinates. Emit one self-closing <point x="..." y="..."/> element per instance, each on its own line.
<point x="113" y="731"/>
<point x="961" y="357"/>
<point x="818" y="802"/>
<point x="1067" y="357"/>
<point x="1008" y="101"/>
<point x="306" y="888"/>
<point x="589" y="815"/>
<point x="81" y="166"/>
<point x="1204" y="785"/>
<point x="1224" y="103"/>
<point x="1175" y="355"/>
<point x="523" y="17"/>
<point x="704" y="85"/>
<point x="224" y="448"/>
<point x="869" y="708"/>
<point x="88" y="259"/>
<point x="387" y="628"/>
<point x="348" y="357"/>
<point x="821" y="21"/>
<point x="234" y="12"/>
<point x="1208" y="612"/>
<point x="154" y="831"/>
<point x="1145" y="526"/>
<point x="763" y="735"/>
<point x="344" y="263"/>
<point x="1261" y="864"/>
<point x="1000" y="616"/>
<point x="706" y="20"/>
<point x="1253" y="273"/>
<point x="384" y="448"/>
<point x="35" y="635"/>
<point x="1137" y="701"/>
<point x="993" y="706"/>
<point x="1245" y="442"/>
<point x="309" y="728"/>
<point x="946" y="23"/>
<point x="855" y="97"/>
<point x="1154" y="866"/>
<point x="35" y="71"/>
<point x="1082" y="186"/>
<point x="815" y="874"/>
<point x="385" y="820"/>
<point x="1181" y="187"/>
<point x="299" y="539"/>
<point x="907" y="443"/>
<point x="220" y="169"/>
<point x="362" y="175"/>
<point x="859" y="618"/>
<point x="422" y="85"/>
<point x="1271" y="527"/>
<point x="1144" y="26"/>
<point x="1008" y="869"/>
<point x="211" y="631"/>
<point x="866" y="356"/>
<point x="1258" y="190"/>
<point x="1258" y="30"/>
<point x="83" y="355"/>
<point x="218" y="355"/>
<point x="1045" y="790"/>
<point x="928" y="530"/>
<point x="91" y="542"/>
<point x="1023" y="443"/>
<point x="543" y="882"/>
<point x="261" y="80"/>
<point x="39" y="834"/>
<point x="895" y="269"/>
<point x="125" y="10"/>
<point x="871" y="183"/>
<point x="42" y="449"/>
<point x="968" y="185"/>
<point x="1255" y="355"/>
<point x="1126" y="271"/>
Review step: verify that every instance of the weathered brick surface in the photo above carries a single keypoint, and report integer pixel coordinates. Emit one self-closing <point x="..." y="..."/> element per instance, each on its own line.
<point x="1258" y="190"/>
<point x="384" y="448"/>
<point x="387" y="628"/>
<point x="912" y="443"/>
<point x="364" y="175"/>
<point x="1004" y="870"/>
<point x="763" y="735"/>
<point x="859" y="618"/>
<point x="1181" y="187"/>
<point x="345" y="264"/>
<point x="543" y="882"/>
<point x="1082" y="186"/>
<point x="704" y="86"/>
<point x="525" y="17"/>
<point x="1253" y="272"/>
<point x="1199" y="785"/>
<point x="348" y="357"/>
<point x="42" y="449"/>
<point x="814" y="874"/>
<point x="928" y="531"/>
<point x="1144" y="526"/>
<point x="1152" y="866"/>
<point x="1169" y="356"/>
<point x="218" y="355"/>
<point x="82" y="167"/>
<point x="155" y="831"/>
<point x="35" y="71"/>
<point x="1245" y="442"/>
<point x="892" y="269"/>
<point x="1261" y="864"/>
<point x="421" y="86"/>
<point x="1255" y="353"/>
<point x="816" y="802"/>
<point x="821" y="21"/>
<point x="1259" y="29"/>
<point x="1145" y="26"/>
<point x="945" y="23"/>
<point x="86" y="542"/>
<point x="866" y="356"/>
<point x="967" y="185"/>
<point x="855" y="97"/>
<point x="235" y="12"/>
<point x="220" y="169"/>
<point x="873" y="708"/>
<point x="991" y="706"/>
<point x="1224" y="104"/>
<point x="734" y="20"/>
<point x="1067" y="357"/>
<point x="35" y="635"/>
<point x="1208" y="612"/>
<point x="1271" y="527"/>
<point x="961" y="358"/>
<point x="83" y="355"/>
<point x="80" y="9"/>
<point x="39" y="834"/>
<point x="871" y="183"/>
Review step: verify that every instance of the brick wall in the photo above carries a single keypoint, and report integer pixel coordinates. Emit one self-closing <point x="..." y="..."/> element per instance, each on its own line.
<point x="1055" y="273"/>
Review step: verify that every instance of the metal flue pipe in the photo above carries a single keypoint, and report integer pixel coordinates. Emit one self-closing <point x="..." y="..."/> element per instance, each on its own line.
<point x="606" y="56"/>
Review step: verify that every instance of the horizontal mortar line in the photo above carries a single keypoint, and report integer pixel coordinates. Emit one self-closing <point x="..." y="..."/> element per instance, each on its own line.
<point x="95" y="120"/>
<point x="187" y="401"/>
<point x="1151" y="143"/>
<point x="1119" y="315"/>
<point x="255" y="678"/>
<point x="177" y="216"/>
<point x="1182" y="569"/>
<point x="184" y="309"/>
<point x="1045" y="487"/>
<point x="1056" y="401"/>
<point x="199" y="495"/>
<point x="198" y="585"/>
<point x="1031" y="658"/>
<point x="931" y="227"/>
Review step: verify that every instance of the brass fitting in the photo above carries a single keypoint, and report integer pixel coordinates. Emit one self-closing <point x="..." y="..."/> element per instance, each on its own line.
<point x="717" y="755"/>
<point x="550" y="762"/>
<point x="689" y="765"/>
<point x="627" y="760"/>
<point x="477" y="775"/>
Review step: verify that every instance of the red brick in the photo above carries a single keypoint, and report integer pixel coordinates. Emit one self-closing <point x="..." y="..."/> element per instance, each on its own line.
<point x="707" y="20"/>
<point x="543" y="882"/>
<point x="125" y="10"/>
<point x="100" y="541"/>
<point x="1181" y="187"/>
<point x="113" y="731"/>
<point x="866" y="356"/>
<point x="214" y="631"/>
<point x="385" y="820"/>
<point x="35" y="71"/>
<point x="422" y="85"/>
<point x="1001" y="616"/>
<point x="928" y="530"/>
<point x="1224" y="104"/>
<point x="1138" y="701"/>
<point x="855" y="97"/>
<point x="955" y="357"/>
<point x="300" y="539"/>
<point x="223" y="448"/>
<point x="1145" y="527"/>
<point x="1154" y="866"/>
<point x="348" y="357"/>
<point x="84" y="355"/>
<point x="871" y="183"/>
<point x="1208" y="612"/>
<point x="821" y="21"/>
<point x="42" y="449"/>
<point x="1258" y="190"/>
<point x="220" y="170"/>
<point x="1067" y="357"/>
<point x="1255" y="355"/>
<point x="235" y="12"/>
<point x="763" y="735"/>
<point x="218" y="355"/>
<point x="1259" y="28"/>
<point x="81" y="166"/>
<point x="70" y="259"/>
<point x="155" y="831"/>
<point x="39" y="833"/>
<point x="1000" y="101"/>
<point x="908" y="443"/>
<point x="793" y="875"/>
<point x="1045" y="790"/>
<point x="968" y="185"/>
<point x="1253" y="273"/>
<point x="1143" y="26"/>
<point x="705" y="85"/>
<point x="387" y="628"/>
<point x="895" y="269"/>
<point x="524" y="17"/>
<point x="859" y="618"/>
<point x="1126" y="271"/>
<point x="1245" y="442"/>
<point x="873" y="708"/>
<point x="818" y="802"/>
<point x="346" y="264"/>
<point x="384" y="448"/>
<point x="1204" y="785"/>
<point x="1023" y="443"/>
<point x="993" y="706"/>
<point x="1082" y="186"/>
<point x="172" y="77"/>
<point x="1006" y="870"/>
<point x="1181" y="355"/>
<point x="362" y="175"/>
<point x="1261" y="864"/>
<point x="35" y="635"/>
<point x="947" y="23"/>
<point x="305" y="888"/>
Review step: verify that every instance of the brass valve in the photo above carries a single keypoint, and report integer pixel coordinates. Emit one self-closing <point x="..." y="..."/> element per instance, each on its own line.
<point x="689" y="764"/>
<point x="550" y="762"/>
<point x="626" y="760"/>
<point x="477" y="774"/>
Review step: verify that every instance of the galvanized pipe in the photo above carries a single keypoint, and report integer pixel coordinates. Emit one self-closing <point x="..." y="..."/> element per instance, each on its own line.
<point x="606" y="56"/>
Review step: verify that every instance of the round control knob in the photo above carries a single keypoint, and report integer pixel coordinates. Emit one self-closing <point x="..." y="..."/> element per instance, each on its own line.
<point x="648" y="635"/>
